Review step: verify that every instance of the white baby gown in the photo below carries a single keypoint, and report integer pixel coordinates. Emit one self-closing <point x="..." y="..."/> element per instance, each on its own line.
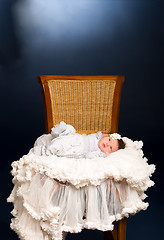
<point x="68" y="143"/>
<point x="55" y="194"/>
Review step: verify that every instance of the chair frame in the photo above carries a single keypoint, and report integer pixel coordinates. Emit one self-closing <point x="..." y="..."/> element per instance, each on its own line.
<point x="120" y="232"/>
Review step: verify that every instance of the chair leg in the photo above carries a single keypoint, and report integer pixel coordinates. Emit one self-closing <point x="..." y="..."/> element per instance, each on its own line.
<point x="114" y="234"/>
<point x="110" y="235"/>
<point x="121" y="229"/>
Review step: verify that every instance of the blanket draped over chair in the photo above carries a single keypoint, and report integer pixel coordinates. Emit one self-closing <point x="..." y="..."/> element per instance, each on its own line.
<point x="54" y="194"/>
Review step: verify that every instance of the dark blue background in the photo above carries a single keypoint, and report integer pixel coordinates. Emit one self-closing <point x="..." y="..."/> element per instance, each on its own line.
<point x="84" y="37"/>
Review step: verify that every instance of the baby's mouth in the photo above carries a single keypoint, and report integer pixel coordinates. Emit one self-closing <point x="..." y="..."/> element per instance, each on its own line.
<point x="104" y="145"/>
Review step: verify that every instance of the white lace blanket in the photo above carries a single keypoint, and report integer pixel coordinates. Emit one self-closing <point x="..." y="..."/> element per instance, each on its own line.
<point x="125" y="164"/>
<point x="96" y="192"/>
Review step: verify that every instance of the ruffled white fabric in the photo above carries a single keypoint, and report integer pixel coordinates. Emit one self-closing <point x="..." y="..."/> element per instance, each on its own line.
<point x="44" y="208"/>
<point x="128" y="164"/>
<point x="55" y="194"/>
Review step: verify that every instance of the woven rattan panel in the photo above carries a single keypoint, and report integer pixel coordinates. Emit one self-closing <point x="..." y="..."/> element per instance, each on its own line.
<point x="87" y="105"/>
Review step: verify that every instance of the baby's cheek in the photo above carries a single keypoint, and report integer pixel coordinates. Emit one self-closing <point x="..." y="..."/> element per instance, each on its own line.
<point x="102" y="150"/>
<point x="108" y="150"/>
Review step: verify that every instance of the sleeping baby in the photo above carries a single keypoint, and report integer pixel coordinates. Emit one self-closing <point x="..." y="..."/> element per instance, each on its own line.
<point x="65" y="142"/>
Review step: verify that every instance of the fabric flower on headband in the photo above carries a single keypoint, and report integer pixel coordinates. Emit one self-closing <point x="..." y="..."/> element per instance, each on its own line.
<point x="115" y="136"/>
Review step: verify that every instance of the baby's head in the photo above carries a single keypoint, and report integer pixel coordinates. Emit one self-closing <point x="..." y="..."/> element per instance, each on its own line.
<point x="111" y="143"/>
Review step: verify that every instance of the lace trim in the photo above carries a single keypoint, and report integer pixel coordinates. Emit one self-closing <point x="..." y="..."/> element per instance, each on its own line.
<point x="49" y="222"/>
<point x="83" y="172"/>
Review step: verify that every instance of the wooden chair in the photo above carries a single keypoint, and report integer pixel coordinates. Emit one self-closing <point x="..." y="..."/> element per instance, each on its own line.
<point x="90" y="104"/>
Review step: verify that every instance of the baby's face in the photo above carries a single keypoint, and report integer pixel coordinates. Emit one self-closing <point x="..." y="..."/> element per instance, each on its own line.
<point x="108" y="145"/>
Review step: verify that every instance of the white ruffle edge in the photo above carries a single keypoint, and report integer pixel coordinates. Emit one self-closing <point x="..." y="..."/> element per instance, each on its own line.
<point x="128" y="164"/>
<point x="55" y="194"/>
<point x="44" y="208"/>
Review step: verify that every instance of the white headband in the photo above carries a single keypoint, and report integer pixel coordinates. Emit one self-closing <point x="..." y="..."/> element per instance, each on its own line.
<point x="115" y="136"/>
